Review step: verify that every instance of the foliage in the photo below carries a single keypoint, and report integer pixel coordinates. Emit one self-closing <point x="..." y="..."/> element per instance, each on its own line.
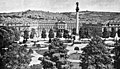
<point x="116" y="51"/>
<point x="37" y="66"/>
<point x="81" y="33"/>
<point x="52" y="57"/>
<point x="26" y="34"/>
<point x="30" y="51"/>
<point x="5" y="38"/>
<point x="112" y="33"/>
<point x="96" y="32"/>
<point x="16" y="34"/>
<point x="105" y="33"/>
<point x="16" y="57"/>
<point x="11" y="54"/>
<point x="95" y="54"/>
<point x="84" y="33"/>
<point x="43" y="33"/>
<point x="51" y="34"/>
<point x="74" y="31"/>
<point x="66" y="34"/>
<point x="57" y="44"/>
<point x="8" y="35"/>
<point x="32" y="34"/>
<point x="118" y="32"/>
<point x="59" y="34"/>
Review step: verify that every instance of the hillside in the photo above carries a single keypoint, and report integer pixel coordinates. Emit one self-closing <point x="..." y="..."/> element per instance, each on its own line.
<point x="94" y="17"/>
<point x="33" y="16"/>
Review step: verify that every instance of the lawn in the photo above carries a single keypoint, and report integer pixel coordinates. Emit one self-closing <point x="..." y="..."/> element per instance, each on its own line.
<point x="41" y="51"/>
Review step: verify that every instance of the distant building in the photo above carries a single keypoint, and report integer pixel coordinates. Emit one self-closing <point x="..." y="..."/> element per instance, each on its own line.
<point x="18" y="26"/>
<point x="61" y="25"/>
<point x="112" y="24"/>
<point x="68" y="25"/>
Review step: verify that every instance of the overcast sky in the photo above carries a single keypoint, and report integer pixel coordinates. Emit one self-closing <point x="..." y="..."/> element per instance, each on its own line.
<point x="59" y="5"/>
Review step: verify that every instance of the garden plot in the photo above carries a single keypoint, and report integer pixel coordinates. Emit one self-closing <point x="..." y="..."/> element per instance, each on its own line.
<point x="71" y="48"/>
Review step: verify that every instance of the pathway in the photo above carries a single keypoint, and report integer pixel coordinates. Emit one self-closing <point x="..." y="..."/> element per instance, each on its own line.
<point x="35" y="58"/>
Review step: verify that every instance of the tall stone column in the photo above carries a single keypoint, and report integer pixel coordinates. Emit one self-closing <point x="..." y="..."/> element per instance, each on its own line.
<point x="102" y="29"/>
<point x="66" y="26"/>
<point x="77" y="18"/>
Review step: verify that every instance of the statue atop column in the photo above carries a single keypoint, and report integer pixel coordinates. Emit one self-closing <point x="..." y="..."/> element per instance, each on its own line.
<point x="77" y="8"/>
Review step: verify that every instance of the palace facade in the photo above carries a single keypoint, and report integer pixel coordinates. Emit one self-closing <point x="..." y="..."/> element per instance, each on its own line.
<point x="111" y="24"/>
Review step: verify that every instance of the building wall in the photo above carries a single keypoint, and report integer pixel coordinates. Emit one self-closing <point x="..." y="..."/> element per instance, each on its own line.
<point x="51" y="25"/>
<point x="18" y="26"/>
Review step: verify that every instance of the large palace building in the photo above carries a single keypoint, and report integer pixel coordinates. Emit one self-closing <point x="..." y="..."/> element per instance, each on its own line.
<point x="68" y="25"/>
<point x="111" y="24"/>
<point x="61" y="25"/>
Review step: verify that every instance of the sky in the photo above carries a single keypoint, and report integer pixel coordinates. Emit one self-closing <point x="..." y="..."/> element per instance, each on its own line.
<point x="59" y="5"/>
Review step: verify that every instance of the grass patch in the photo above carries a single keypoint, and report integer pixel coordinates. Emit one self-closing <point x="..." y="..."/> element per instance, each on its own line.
<point x="75" y="56"/>
<point x="41" y="51"/>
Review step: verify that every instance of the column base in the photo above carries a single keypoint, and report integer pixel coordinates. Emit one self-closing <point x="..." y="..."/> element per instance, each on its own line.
<point x="77" y="37"/>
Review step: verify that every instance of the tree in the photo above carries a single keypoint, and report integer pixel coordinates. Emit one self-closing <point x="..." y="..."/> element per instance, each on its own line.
<point x="56" y="50"/>
<point x="105" y="33"/>
<point x="43" y="33"/>
<point x="51" y="35"/>
<point x="12" y="55"/>
<point x="4" y="42"/>
<point x="116" y="51"/>
<point x="5" y="38"/>
<point x="113" y="32"/>
<point x="118" y="32"/>
<point x="16" y="33"/>
<point x="26" y="35"/>
<point x="95" y="31"/>
<point x="38" y="46"/>
<point x="8" y="35"/>
<point x="66" y="34"/>
<point x="32" y="33"/>
<point x="16" y="57"/>
<point x="58" y="34"/>
<point x="57" y="44"/>
<point x="74" y="31"/>
<point x="86" y="33"/>
<point x="36" y="66"/>
<point x="95" y="54"/>
<point x="81" y="33"/>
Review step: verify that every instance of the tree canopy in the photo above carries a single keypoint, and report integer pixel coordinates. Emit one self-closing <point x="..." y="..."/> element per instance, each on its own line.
<point x="32" y="34"/>
<point x="66" y="34"/>
<point x="74" y="31"/>
<point x="95" y="54"/>
<point x="56" y="52"/>
<point x="59" y="34"/>
<point x="113" y="32"/>
<point x="43" y="34"/>
<point x="105" y="33"/>
<point x="116" y="58"/>
<point x="8" y="35"/>
<point x="51" y="33"/>
<point x="16" y="57"/>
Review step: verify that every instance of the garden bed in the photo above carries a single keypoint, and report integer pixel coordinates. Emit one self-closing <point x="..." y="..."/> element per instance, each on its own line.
<point x="41" y="51"/>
